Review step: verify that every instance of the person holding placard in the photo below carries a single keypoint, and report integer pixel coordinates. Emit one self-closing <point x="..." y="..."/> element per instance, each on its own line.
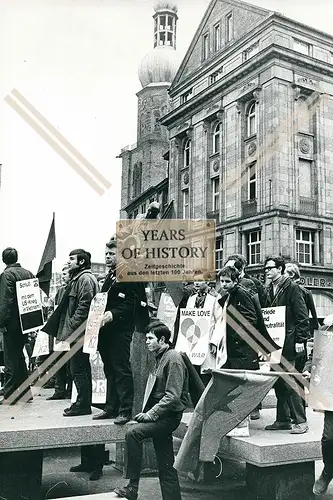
<point x="226" y="344"/>
<point x="126" y="304"/>
<point x="63" y="379"/>
<point x="14" y="340"/>
<point x="282" y="291"/>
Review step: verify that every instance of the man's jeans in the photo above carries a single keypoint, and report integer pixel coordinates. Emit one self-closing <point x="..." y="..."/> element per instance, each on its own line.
<point x="81" y="375"/>
<point x="161" y="433"/>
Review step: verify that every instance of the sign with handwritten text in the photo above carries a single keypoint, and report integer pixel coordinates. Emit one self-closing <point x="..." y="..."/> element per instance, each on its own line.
<point x="29" y="305"/>
<point x="96" y="312"/>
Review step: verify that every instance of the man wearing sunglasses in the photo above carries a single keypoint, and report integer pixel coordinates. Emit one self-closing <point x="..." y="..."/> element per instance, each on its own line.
<point x="282" y="291"/>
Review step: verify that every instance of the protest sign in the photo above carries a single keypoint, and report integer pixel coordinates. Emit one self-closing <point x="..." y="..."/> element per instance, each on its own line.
<point x="167" y="311"/>
<point x="98" y="380"/>
<point x="275" y="321"/>
<point x="167" y="250"/>
<point x="61" y="345"/>
<point x="321" y="387"/>
<point x="96" y="312"/>
<point x="29" y="304"/>
<point x="193" y="334"/>
<point x="42" y="346"/>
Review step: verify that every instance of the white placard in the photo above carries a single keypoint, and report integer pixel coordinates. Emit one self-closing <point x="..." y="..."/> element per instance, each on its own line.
<point x="167" y="311"/>
<point x="98" y="380"/>
<point x="61" y="345"/>
<point x="193" y="334"/>
<point x="96" y="312"/>
<point x="275" y="321"/>
<point x="29" y="304"/>
<point x="41" y="347"/>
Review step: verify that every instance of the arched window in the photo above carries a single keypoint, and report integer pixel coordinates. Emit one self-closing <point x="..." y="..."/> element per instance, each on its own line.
<point x="252" y="119"/>
<point x="137" y="179"/>
<point x="187" y="153"/>
<point x="217" y="132"/>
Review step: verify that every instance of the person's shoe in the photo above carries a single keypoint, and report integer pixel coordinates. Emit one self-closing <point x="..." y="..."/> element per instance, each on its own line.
<point x="105" y="415"/>
<point x="128" y="492"/>
<point x="95" y="475"/>
<point x="255" y="414"/>
<point x="77" y="411"/>
<point x="321" y="485"/>
<point x="278" y="426"/>
<point x="299" y="428"/>
<point x="66" y="410"/>
<point x="122" y="419"/>
<point x="2" y="392"/>
<point x="80" y="468"/>
<point x="56" y="396"/>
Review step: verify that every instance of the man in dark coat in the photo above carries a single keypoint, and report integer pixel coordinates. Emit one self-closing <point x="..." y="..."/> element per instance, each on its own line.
<point x="126" y="304"/>
<point x="62" y="379"/>
<point x="166" y="397"/>
<point x="14" y="340"/>
<point x="240" y="355"/>
<point x="292" y="270"/>
<point x="71" y="313"/>
<point x="282" y="291"/>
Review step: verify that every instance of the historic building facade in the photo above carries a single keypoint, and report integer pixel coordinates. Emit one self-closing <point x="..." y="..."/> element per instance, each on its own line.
<point x="251" y="139"/>
<point x="145" y="164"/>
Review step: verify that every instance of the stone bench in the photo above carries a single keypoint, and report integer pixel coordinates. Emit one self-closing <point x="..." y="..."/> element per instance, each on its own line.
<point x="279" y="465"/>
<point x="26" y="431"/>
<point x="98" y="496"/>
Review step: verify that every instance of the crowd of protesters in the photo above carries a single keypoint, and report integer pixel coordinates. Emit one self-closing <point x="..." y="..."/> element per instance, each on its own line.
<point x="236" y="296"/>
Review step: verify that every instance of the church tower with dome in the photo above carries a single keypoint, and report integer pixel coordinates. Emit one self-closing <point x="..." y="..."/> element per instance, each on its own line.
<point x="145" y="164"/>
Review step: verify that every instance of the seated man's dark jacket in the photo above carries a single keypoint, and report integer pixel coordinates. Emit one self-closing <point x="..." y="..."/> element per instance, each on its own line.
<point x="167" y="389"/>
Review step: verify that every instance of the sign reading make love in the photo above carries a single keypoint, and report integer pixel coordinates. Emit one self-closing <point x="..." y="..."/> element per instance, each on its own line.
<point x="29" y="305"/>
<point x="96" y="312"/>
<point x="193" y="334"/>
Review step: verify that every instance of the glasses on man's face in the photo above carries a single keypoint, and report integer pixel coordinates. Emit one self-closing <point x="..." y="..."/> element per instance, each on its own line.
<point x="268" y="268"/>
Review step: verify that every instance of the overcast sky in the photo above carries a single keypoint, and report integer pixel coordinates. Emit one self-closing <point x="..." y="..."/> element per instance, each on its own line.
<point x="76" y="62"/>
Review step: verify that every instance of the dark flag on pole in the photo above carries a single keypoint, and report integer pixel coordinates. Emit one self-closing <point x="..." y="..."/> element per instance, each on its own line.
<point x="44" y="273"/>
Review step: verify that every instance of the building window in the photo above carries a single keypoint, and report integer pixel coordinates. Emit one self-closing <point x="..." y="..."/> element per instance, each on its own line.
<point x="186" y="204"/>
<point x="217" y="37"/>
<point x="305" y="178"/>
<point x="302" y="47"/>
<point x="136" y="213"/>
<point x="229" y="28"/>
<point x="219" y="254"/>
<point x="252" y="182"/>
<point x="143" y="208"/>
<point x="253" y="247"/>
<point x="216" y="194"/>
<point x="215" y="76"/>
<point x="137" y="179"/>
<point x="304" y="246"/>
<point x="217" y="138"/>
<point x="187" y="153"/>
<point x="186" y="96"/>
<point x="205" y="47"/>
<point x="251" y="51"/>
<point x="251" y="119"/>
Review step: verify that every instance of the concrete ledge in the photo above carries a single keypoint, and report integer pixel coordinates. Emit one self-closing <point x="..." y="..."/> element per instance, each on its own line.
<point x="273" y="448"/>
<point x="40" y="425"/>
<point x="99" y="496"/>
